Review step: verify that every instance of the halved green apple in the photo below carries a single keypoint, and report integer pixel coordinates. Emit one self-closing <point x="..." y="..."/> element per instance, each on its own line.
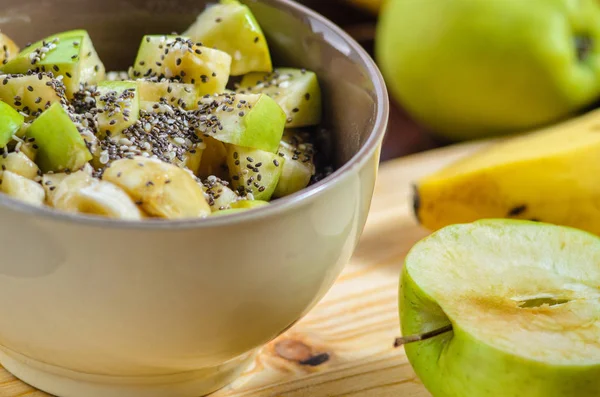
<point x="522" y="300"/>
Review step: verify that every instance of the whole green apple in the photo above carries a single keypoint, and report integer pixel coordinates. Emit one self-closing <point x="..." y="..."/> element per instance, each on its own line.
<point x="474" y="68"/>
<point x="523" y="301"/>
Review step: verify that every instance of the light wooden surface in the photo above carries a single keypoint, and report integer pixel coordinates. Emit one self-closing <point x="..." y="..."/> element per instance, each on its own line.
<point x="351" y="332"/>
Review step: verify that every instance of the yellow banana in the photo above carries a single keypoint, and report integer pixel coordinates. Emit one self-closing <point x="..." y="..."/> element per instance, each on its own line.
<point x="80" y="192"/>
<point x="550" y="175"/>
<point x="161" y="189"/>
<point x="22" y="188"/>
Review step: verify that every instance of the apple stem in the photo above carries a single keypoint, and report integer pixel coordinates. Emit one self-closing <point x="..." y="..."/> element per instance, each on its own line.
<point x="424" y="336"/>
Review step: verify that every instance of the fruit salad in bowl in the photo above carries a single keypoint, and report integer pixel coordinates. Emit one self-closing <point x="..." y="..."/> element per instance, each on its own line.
<point x="286" y="135"/>
<point x="200" y="124"/>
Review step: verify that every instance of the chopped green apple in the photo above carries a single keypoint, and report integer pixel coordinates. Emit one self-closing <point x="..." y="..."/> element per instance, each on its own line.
<point x="118" y="107"/>
<point x="153" y="94"/>
<point x="249" y="204"/>
<point x="297" y="91"/>
<point x="69" y="54"/>
<point x="254" y="173"/>
<point x="501" y="308"/>
<point x="179" y="59"/>
<point x="20" y="164"/>
<point x="220" y="196"/>
<point x="8" y="49"/>
<point x="254" y="121"/>
<point x="10" y="123"/>
<point x="231" y="27"/>
<point x="298" y="168"/>
<point x="22" y="189"/>
<point x="191" y="159"/>
<point x="230" y="211"/>
<point x="60" y="145"/>
<point x="31" y="94"/>
<point x="214" y="159"/>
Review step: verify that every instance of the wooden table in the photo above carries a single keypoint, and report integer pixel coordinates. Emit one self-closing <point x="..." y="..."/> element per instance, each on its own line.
<point x="345" y="342"/>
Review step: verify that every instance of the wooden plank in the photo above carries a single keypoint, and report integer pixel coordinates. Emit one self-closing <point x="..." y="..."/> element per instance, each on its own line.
<point x="350" y="333"/>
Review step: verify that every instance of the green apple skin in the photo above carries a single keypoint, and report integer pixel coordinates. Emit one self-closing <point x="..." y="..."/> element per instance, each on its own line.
<point x="10" y="122"/>
<point x="456" y="364"/>
<point x="467" y="69"/>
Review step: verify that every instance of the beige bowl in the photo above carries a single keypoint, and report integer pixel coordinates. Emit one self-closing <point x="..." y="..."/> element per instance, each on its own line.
<point x="97" y="308"/>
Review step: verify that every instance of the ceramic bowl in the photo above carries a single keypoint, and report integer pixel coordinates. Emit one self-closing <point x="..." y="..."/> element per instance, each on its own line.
<point x="101" y="308"/>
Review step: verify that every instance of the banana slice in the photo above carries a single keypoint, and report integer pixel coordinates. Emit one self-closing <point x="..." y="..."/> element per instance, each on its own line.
<point x="22" y="188"/>
<point x="20" y="164"/>
<point x="161" y="189"/>
<point x="81" y="193"/>
<point x="50" y="182"/>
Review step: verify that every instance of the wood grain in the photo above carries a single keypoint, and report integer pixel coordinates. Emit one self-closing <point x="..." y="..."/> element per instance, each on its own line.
<point x="344" y="346"/>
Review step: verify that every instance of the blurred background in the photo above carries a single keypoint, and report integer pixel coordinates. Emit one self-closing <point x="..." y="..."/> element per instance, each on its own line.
<point x="359" y="17"/>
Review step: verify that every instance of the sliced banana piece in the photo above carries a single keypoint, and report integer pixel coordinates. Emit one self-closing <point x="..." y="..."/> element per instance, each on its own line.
<point x="82" y="193"/>
<point x="22" y="188"/>
<point x="161" y="189"/>
<point x="20" y="164"/>
<point x="50" y="182"/>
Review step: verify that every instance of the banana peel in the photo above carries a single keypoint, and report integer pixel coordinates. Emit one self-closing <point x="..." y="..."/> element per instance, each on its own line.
<point x="550" y="175"/>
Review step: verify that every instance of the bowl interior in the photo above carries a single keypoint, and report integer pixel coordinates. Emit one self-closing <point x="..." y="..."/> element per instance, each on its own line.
<point x="296" y="39"/>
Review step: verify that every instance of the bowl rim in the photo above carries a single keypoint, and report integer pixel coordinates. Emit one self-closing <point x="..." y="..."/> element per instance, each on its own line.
<point x="283" y="204"/>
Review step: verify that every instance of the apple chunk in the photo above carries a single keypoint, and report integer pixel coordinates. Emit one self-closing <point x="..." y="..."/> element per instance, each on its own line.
<point x="69" y="54"/>
<point x="254" y="121"/>
<point x="297" y="91"/>
<point x="61" y="146"/>
<point x="231" y="27"/>
<point x="523" y="301"/>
